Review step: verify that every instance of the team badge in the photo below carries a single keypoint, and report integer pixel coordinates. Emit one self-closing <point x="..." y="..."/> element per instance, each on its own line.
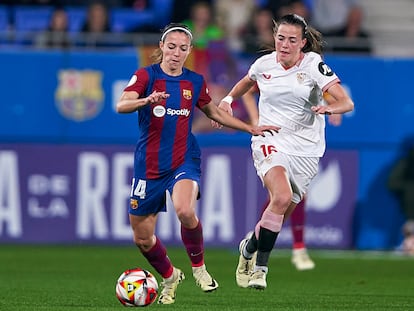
<point x="133" y="203"/>
<point x="300" y="76"/>
<point x="187" y="94"/>
<point x="325" y="70"/>
<point x="79" y="95"/>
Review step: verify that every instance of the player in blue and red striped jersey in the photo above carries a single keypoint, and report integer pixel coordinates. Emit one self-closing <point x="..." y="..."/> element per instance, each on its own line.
<point x="167" y="157"/>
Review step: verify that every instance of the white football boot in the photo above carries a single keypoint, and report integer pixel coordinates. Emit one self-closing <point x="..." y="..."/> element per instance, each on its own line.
<point x="204" y="279"/>
<point x="245" y="266"/>
<point x="301" y="260"/>
<point x="169" y="287"/>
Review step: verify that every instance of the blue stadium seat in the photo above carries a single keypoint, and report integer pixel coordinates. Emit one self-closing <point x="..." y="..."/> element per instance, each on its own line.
<point x="31" y="18"/>
<point x="4" y="17"/>
<point x="125" y="20"/>
<point x="77" y="17"/>
<point x="162" y="10"/>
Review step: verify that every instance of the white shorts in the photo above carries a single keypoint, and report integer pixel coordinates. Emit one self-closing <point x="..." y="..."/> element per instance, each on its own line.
<point x="300" y="170"/>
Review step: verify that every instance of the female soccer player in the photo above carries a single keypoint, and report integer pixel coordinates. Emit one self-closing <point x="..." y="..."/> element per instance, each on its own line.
<point x="300" y="257"/>
<point x="167" y="157"/>
<point x="291" y="81"/>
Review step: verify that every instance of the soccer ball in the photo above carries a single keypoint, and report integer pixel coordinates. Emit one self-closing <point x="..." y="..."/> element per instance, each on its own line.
<point x="136" y="288"/>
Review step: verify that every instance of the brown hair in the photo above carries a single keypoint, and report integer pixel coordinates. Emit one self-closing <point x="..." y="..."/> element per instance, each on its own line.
<point x="314" y="40"/>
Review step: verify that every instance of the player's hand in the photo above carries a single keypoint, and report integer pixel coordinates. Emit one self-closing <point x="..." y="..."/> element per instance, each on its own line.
<point x="322" y="110"/>
<point x="227" y="108"/>
<point x="156" y="97"/>
<point x="263" y="129"/>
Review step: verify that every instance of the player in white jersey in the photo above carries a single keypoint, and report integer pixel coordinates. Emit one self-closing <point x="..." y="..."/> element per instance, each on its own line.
<point x="300" y="257"/>
<point x="291" y="81"/>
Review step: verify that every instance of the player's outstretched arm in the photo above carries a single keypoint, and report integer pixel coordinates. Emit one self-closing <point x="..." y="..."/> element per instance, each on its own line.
<point x="224" y="118"/>
<point x="238" y="90"/>
<point x="131" y="102"/>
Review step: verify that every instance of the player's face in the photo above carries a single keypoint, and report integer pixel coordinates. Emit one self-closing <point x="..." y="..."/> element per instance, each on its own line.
<point x="175" y="49"/>
<point x="289" y="43"/>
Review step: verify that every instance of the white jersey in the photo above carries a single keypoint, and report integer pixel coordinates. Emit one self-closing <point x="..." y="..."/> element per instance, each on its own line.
<point x="286" y="98"/>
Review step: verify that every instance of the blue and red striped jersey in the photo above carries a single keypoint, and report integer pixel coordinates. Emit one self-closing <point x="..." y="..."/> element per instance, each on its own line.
<point x="165" y="138"/>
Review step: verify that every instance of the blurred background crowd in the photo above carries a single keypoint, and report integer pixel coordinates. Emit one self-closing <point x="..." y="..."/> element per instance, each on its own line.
<point x="244" y="25"/>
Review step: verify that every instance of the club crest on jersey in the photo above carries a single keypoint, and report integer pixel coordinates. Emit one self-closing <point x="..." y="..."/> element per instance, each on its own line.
<point x="324" y="69"/>
<point x="187" y="94"/>
<point x="300" y="76"/>
<point x="267" y="76"/>
<point x="133" y="203"/>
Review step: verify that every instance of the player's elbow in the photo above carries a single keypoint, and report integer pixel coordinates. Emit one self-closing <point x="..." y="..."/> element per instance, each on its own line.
<point x="121" y="107"/>
<point x="350" y="106"/>
<point x="118" y="108"/>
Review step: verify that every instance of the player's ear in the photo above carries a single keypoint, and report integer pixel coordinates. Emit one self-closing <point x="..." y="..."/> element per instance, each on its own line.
<point x="304" y="41"/>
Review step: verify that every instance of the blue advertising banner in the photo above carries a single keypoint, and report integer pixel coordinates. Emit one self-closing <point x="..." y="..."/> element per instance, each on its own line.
<point x="69" y="98"/>
<point x="79" y="193"/>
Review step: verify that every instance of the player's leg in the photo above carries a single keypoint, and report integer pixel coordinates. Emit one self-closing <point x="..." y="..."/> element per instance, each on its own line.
<point x="156" y="254"/>
<point x="143" y="217"/>
<point x="247" y="259"/>
<point x="300" y="256"/>
<point x="270" y="224"/>
<point x="184" y="197"/>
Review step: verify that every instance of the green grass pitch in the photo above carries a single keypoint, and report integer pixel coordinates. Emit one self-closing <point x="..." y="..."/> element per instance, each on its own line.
<point x="71" y="278"/>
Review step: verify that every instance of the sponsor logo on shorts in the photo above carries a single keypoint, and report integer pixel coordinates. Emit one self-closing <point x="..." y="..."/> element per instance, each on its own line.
<point x="178" y="175"/>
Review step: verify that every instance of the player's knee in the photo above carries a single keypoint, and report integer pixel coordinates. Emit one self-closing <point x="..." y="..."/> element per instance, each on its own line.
<point x="185" y="214"/>
<point x="279" y="204"/>
<point x="144" y="244"/>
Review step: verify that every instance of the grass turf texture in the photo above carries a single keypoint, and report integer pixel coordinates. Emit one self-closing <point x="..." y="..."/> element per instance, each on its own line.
<point x="68" y="278"/>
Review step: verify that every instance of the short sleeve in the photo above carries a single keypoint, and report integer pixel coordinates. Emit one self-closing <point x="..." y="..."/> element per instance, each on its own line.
<point x="138" y="81"/>
<point x="322" y="73"/>
<point x="204" y="98"/>
<point x="252" y="73"/>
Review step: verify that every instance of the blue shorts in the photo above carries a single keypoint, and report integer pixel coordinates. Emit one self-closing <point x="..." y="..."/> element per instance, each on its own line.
<point x="148" y="196"/>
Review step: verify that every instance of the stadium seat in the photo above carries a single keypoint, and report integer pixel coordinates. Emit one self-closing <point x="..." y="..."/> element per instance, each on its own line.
<point x="77" y="16"/>
<point x="31" y="18"/>
<point x="27" y="20"/>
<point x="4" y="18"/>
<point x="162" y="9"/>
<point x="126" y="20"/>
